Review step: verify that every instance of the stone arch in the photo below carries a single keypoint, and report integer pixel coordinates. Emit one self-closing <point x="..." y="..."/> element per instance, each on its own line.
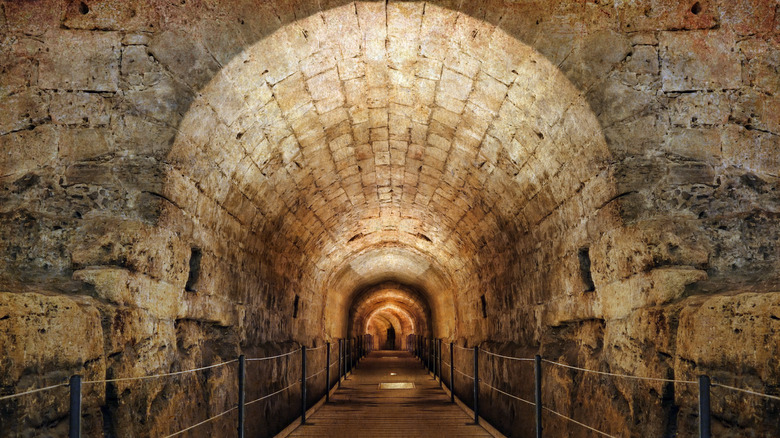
<point x="325" y="141"/>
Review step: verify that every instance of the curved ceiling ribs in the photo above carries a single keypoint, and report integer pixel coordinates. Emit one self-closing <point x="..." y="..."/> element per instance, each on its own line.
<point x="399" y="142"/>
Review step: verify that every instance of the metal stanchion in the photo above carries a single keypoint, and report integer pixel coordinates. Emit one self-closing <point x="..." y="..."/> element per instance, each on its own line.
<point x="452" y="372"/>
<point x="538" y="394"/>
<point x="476" y="384"/>
<point x="74" y="430"/>
<point x="704" y="407"/>
<point x="303" y="384"/>
<point x="241" y="394"/>
<point x="327" y="372"/>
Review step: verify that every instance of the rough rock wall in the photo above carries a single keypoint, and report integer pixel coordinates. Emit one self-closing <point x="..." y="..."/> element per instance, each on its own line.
<point x="689" y="284"/>
<point x="685" y="95"/>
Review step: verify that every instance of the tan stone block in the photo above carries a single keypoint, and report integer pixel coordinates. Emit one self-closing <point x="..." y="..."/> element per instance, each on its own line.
<point x="752" y="150"/>
<point x="351" y="68"/>
<point x="643" y="60"/>
<point x="38" y="334"/>
<point x="455" y="85"/>
<point x="700" y="144"/>
<point x="79" y="144"/>
<point x="27" y="150"/>
<point x="699" y="61"/>
<point x="355" y="92"/>
<point x="700" y="109"/>
<point x="21" y="111"/>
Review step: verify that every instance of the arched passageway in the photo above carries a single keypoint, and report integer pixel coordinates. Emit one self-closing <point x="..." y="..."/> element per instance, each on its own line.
<point x="216" y="179"/>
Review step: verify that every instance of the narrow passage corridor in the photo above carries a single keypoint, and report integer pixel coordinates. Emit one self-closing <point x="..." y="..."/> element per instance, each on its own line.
<point x="361" y="409"/>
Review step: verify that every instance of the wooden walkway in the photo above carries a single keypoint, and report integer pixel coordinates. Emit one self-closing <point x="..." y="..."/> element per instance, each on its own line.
<point x="360" y="409"/>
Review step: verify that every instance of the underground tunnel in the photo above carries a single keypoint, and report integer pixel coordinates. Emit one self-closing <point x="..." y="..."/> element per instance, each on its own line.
<point x="196" y="191"/>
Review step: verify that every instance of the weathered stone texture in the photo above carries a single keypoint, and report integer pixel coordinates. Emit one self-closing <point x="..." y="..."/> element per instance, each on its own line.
<point x="344" y="156"/>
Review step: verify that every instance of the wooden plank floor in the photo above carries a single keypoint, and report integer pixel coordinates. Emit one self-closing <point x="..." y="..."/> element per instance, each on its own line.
<point x="360" y="409"/>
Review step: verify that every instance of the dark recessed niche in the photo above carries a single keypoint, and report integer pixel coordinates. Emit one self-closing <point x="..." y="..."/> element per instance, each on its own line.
<point x="696" y="8"/>
<point x="484" y="306"/>
<point x="192" y="280"/>
<point x="587" y="279"/>
<point x="295" y="306"/>
<point x="83" y="8"/>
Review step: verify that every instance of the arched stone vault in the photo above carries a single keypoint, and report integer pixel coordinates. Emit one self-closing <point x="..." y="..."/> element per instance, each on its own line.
<point x="393" y="139"/>
<point x="190" y="181"/>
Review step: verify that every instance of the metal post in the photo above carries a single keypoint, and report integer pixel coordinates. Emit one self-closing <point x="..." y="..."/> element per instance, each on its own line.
<point x="704" y="407"/>
<point x="241" y="394"/>
<point x="452" y="372"/>
<point x="538" y="394"/>
<point x="439" y="348"/>
<point x="476" y="384"/>
<point x="339" y="366"/>
<point x="327" y="372"/>
<point x="303" y="384"/>
<point x="75" y="407"/>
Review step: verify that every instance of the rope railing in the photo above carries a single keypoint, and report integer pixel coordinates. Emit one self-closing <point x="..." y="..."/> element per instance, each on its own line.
<point x="529" y="359"/>
<point x="425" y="350"/>
<point x="464" y="374"/>
<point x="624" y="376"/>
<point x="316" y="374"/>
<point x="156" y="376"/>
<point x="578" y="423"/>
<point x="257" y="359"/>
<point x="272" y="394"/>
<point x="348" y="356"/>
<point x="203" y="422"/>
<point x="482" y="382"/>
<point x="747" y="391"/>
<point x="32" y="391"/>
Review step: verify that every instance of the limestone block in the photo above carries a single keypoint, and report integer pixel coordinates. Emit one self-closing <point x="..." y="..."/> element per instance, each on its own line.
<point x="26" y="150"/>
<point x="78" y="60"/>
<point x="733" y="332"/>
<point x="700" y="109"/>
<point x="21" y="111"/>
<point x="596" y="56"/>
<point x="34" y="18"/>
<point x="79" y="144"/>
<point x="111" y="15"/>
<point x="751" y="150"/>
<point x="185" y="57"/>
<point x="643" y="60"/>
<point x="699" y="61"/>
<point x="38" y="334"/>
<point x="669" y="14"/>
<point x="760" y="69"/>
<point x="79" y="108"/>
<point x="659" y="286"/>
<point x="613" y="101"/>
<point x="702" y="144"/>
<point x="748" y="17"/>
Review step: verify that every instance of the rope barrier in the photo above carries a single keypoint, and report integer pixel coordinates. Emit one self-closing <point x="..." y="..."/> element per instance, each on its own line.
<point x="508" y="394"/>
<point x="445" y="363"/>
<point x="507" y="357"/>
<point x="256" y="359"/>
<point x="272" y="394"/>
<point x="32" y="391"/>
<point x="747" y="391"/>
<point x="333" y="363"/>
<point x="202" y="422"/>
<point x="625" y="376"/>
<point x="315" y="349"/>
<point x="154" y="376"/>
<point x="317" y="373"/>
<point x="466" y="375"/>
<point x="462" y="348"/>
<point x="577" y="422"/>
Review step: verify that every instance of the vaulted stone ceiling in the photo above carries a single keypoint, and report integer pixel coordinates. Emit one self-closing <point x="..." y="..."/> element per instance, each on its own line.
<point x="406" y="139"/>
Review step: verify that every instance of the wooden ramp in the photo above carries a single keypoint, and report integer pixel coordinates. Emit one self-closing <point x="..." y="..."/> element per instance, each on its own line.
<point x="361" y="409"/>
